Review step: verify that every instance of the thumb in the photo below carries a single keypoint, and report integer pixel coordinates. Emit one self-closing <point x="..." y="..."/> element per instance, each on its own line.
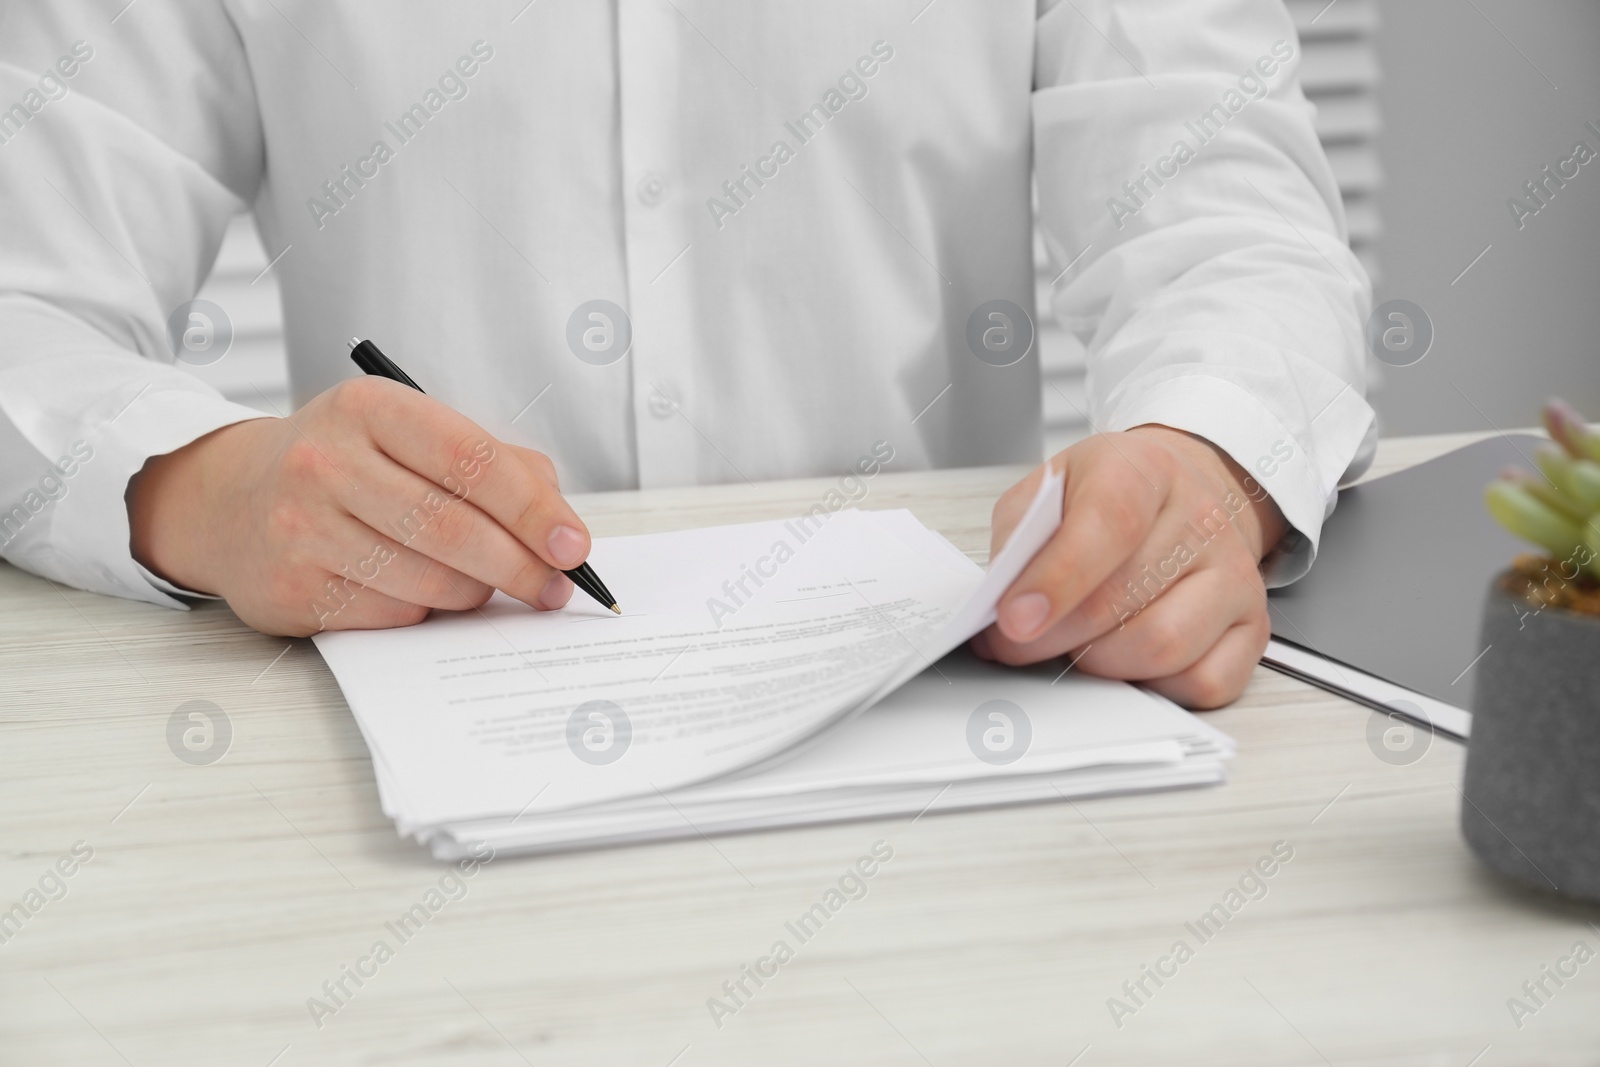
<point x="1013" y="504"/>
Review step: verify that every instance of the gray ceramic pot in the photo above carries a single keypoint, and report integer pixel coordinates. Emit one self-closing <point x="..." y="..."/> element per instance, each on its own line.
<point x="1531" y="807"/>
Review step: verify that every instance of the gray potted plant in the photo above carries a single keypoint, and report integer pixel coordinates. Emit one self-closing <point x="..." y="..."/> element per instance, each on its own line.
<point x="1531" y="798"/>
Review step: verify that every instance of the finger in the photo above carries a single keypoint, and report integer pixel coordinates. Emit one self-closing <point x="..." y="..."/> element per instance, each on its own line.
<point x="364" y="609"/>
<point x="1174" y="632"/>
<point x="367" y="558"/>
<point x="1219" y="676"/>
<point x="318" y="600"/>
<point x="537" y="462"/>
<point x="451" y="451"/>
<point x="1108" y="513"/>
<point x="1010" y="508"/>
<point x="1177" y="547"/>
<point x="1232" y="588"/>
<point x="1070" y="636"/>
<point x="419" y="515"/>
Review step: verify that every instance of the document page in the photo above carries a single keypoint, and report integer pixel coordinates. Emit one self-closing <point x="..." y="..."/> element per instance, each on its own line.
<point x="1071" y="734"/>
<point x="730" y="653"/>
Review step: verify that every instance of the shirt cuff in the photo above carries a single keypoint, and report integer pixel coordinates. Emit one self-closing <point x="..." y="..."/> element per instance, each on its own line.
<point x="167" y="587"/>
<point x="1232" y="419"/>
<point x="88" y="541"/>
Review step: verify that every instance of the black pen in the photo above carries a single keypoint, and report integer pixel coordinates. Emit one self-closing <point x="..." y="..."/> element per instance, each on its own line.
<point x="372" y="361"/>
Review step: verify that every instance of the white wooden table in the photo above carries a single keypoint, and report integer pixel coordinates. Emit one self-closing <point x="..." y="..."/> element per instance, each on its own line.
<point x="219" y="898"/>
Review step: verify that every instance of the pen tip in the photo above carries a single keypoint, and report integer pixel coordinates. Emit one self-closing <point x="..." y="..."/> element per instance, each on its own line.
<point x="353" y="342"/>
<point x="616" y="609"/>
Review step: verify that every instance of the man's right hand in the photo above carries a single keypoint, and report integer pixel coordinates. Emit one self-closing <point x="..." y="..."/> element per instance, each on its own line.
<point x="365" y="509"/>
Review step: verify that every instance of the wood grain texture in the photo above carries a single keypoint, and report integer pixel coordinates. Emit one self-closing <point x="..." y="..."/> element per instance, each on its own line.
<point x="219" y="898"/>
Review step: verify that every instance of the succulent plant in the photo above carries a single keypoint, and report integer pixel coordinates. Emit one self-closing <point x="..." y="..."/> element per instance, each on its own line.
<point x="1557" y="509"/>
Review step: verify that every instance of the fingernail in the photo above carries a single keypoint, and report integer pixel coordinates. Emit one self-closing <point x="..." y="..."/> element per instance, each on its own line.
<point x="566" y="547"/>
<point x="1024" y="616"/>
<point x="556" y="592"/>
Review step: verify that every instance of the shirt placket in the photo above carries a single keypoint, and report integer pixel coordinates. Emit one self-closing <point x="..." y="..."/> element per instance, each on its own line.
<point x="658" y="241"/>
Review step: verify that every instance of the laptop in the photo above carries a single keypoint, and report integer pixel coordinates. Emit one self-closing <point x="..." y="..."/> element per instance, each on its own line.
<point x="1389" y="614"/>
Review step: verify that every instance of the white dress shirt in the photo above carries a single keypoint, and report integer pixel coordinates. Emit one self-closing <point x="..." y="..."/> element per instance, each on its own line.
<point x="809" y="222"/>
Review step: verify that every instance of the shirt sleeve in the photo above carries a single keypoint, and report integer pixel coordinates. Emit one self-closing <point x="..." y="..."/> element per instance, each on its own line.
<point x="1202" y="242"/>
<point x="132" y="143"/>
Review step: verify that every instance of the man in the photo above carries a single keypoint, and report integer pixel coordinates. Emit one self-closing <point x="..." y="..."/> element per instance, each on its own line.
<point x="661" y="242"/>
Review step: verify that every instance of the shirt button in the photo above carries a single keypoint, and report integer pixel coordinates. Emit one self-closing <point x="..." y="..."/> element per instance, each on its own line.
<point x="662" y="406"/>
<point x="651" y="189"/>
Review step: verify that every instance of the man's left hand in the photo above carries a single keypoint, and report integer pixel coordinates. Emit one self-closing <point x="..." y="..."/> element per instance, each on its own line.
<point x="1153" y="576"/>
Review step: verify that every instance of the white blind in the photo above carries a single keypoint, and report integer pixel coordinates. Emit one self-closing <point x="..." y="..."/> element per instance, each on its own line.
<point x="1339" y="74"/>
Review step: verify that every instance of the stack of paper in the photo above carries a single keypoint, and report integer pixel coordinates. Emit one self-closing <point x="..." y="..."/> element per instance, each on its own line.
<point x="734" y="694"/>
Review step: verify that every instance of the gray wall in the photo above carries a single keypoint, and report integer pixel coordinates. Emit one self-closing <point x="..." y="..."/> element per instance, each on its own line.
<point x="1467" y="120"/>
